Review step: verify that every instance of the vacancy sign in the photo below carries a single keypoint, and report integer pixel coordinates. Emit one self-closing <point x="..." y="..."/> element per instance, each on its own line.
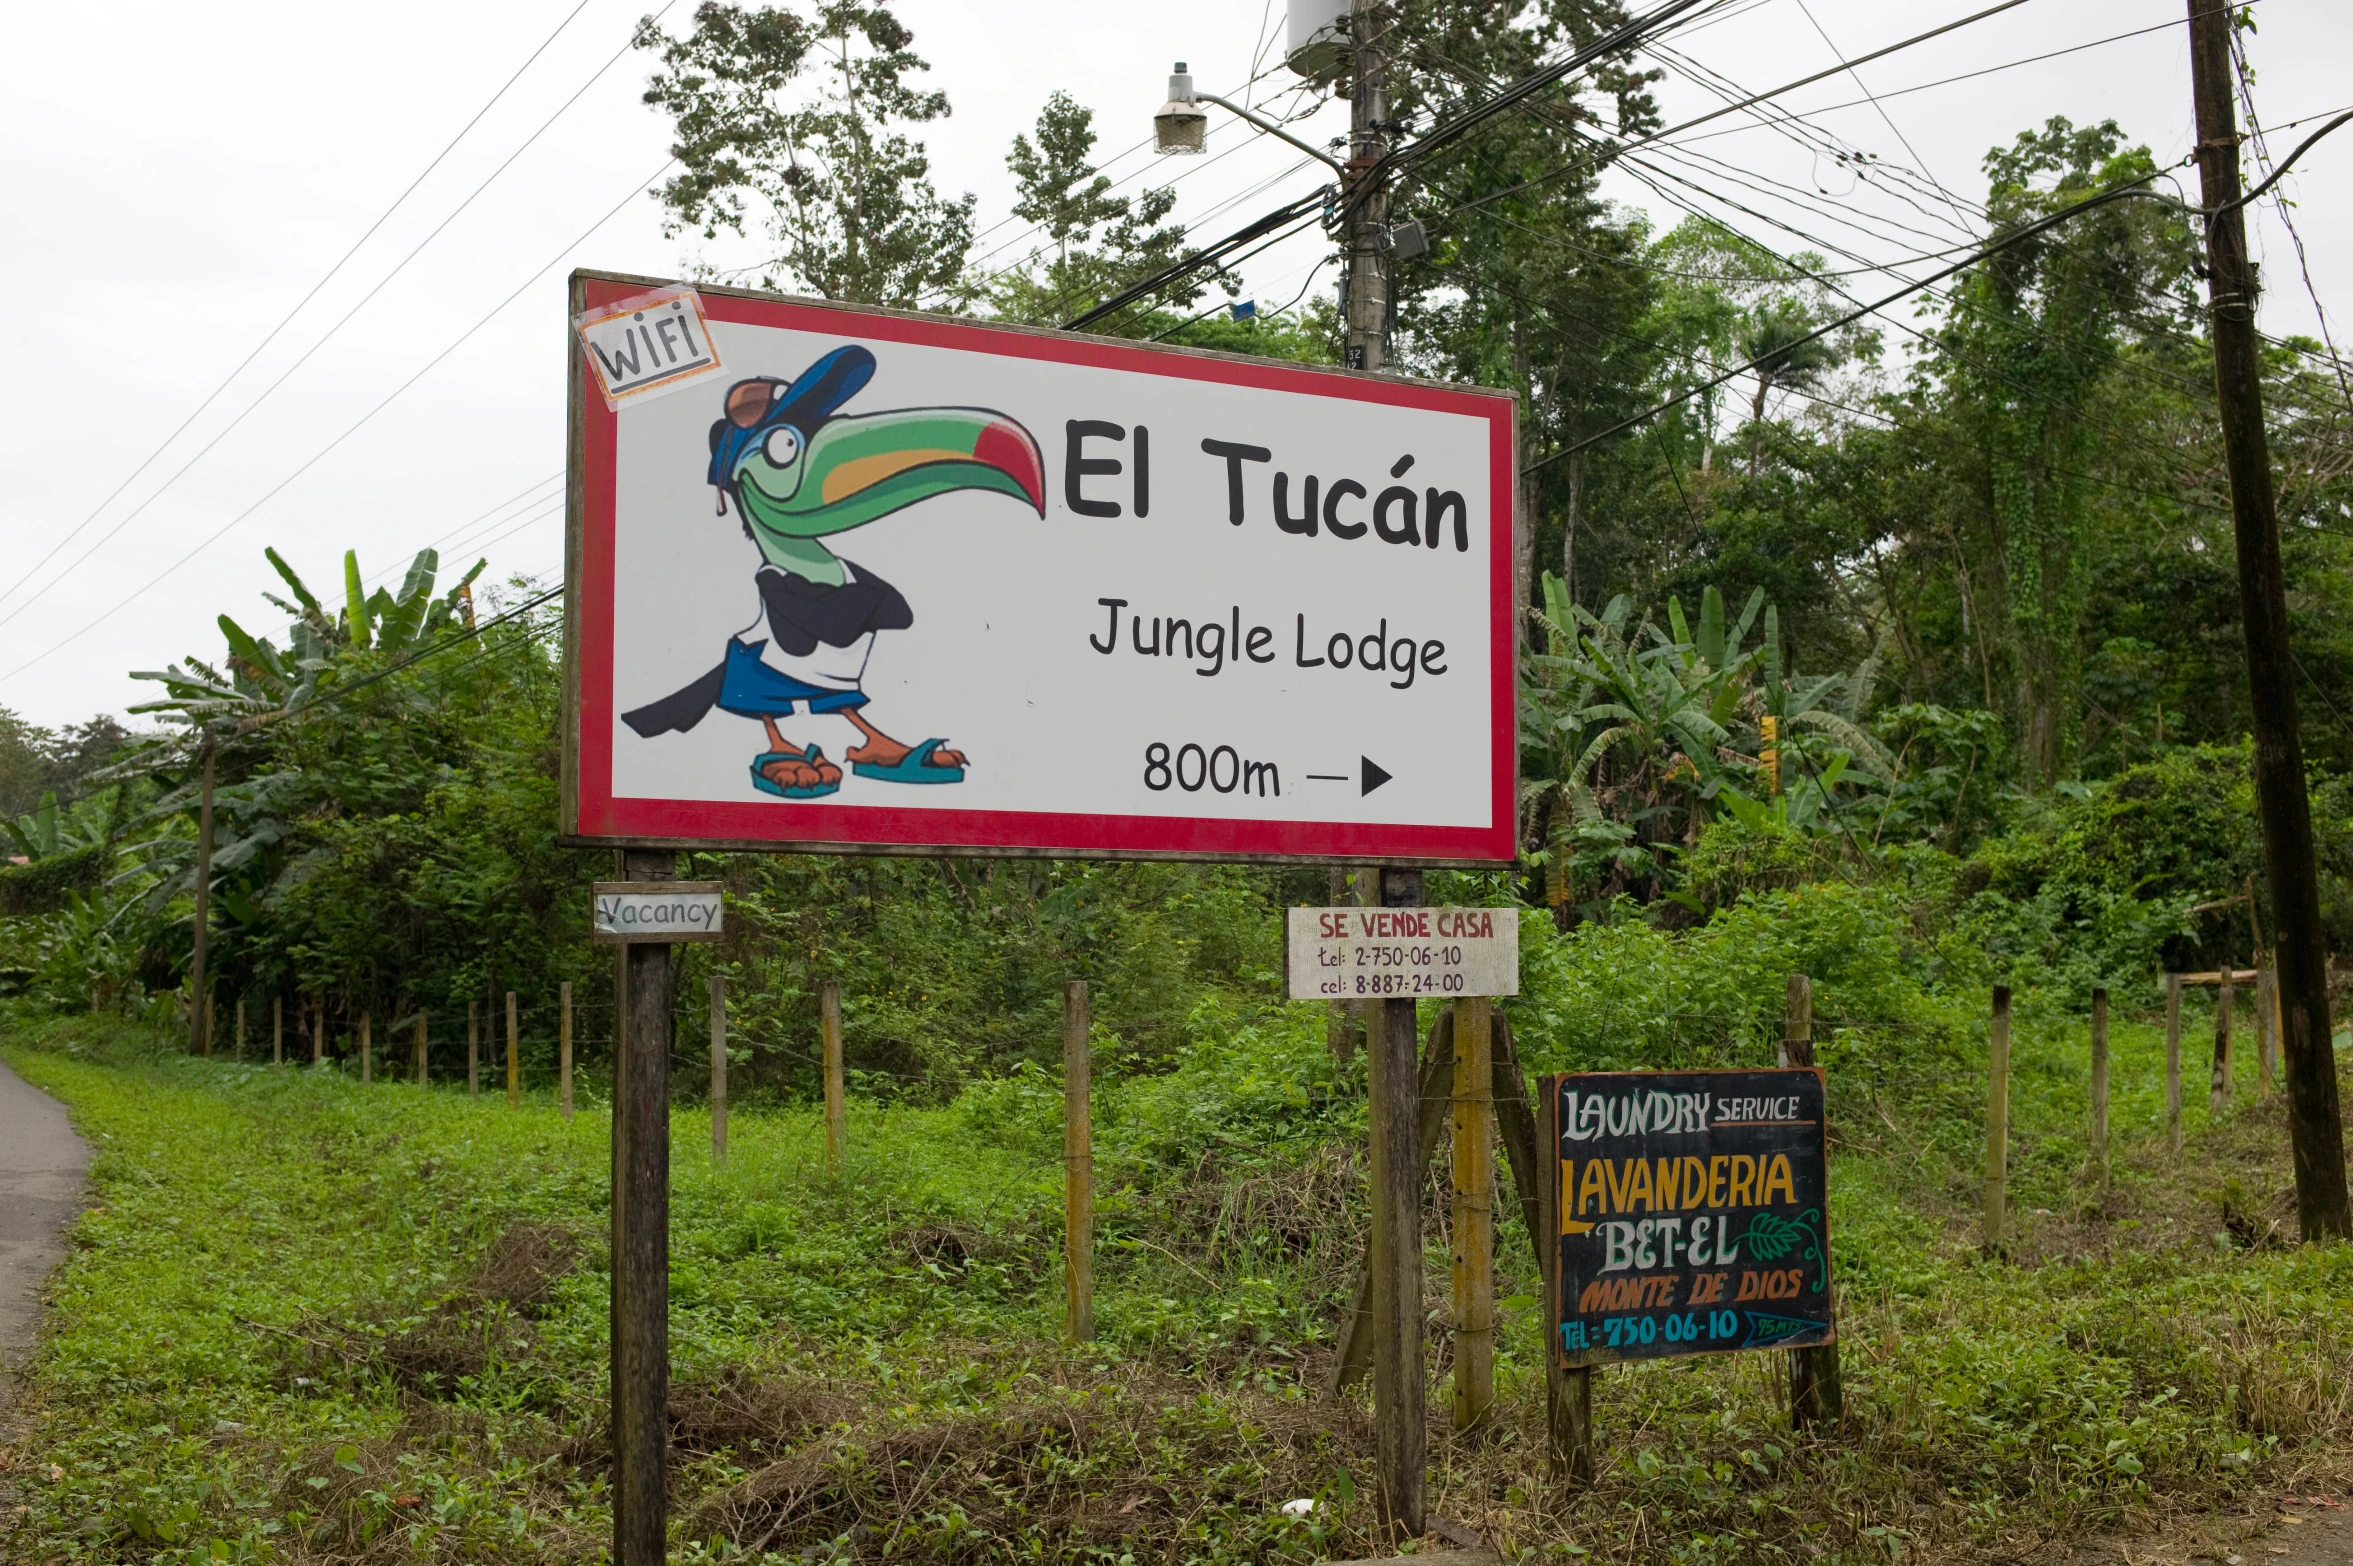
<point x="901" y="583"/>
<point x="620" y="912"/>
<point x="1401" y="953"/>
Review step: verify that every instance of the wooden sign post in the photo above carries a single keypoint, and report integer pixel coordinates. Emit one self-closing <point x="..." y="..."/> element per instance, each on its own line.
<point x="1078" y="1164"/>
<point x="1474" y="1212"/>
<point x="2173" y="1062"/>
<point x="564" y="1049"/>
<point x="837" y="1109"/>
<point x="645" y="914"/>
<point x="718" y="998"/>
<point x="1817" y="1395"/>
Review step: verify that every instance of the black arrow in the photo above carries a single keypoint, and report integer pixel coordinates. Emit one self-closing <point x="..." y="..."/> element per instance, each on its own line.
<point x="1372" y="777"/>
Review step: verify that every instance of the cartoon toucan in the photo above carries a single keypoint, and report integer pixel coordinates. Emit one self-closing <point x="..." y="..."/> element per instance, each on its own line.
<point x="800" y="471"/>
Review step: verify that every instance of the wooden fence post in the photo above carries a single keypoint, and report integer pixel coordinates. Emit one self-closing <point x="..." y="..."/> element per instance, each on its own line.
<point x="2266" y="1025"/>
<point x="564" y="1050"/>
<point x="1817" y="1393"/>
<point x="514" y="1059"/>
<point x="241" y="1045"/>
<point x="423" y="1072"/>
<point x="367" y="1059"/>
<point x="318" y="1030"/>
<point x="1568" y="1394"/>
<point x="2100" y="1080"/>
<point x="837" y="1109"/>
<point x="473" y="1049"/>
<point x="2225" y="1003"/>
<point x="1997" y="1117"/>
<point x="1474" y="1212"/>
<point x="718" y="989"/>
<point x="277" y="1030"/>
<point x="210" y="1027"/>
<point x="1078" y="1165"/>
<point x="2173" y="1062"/>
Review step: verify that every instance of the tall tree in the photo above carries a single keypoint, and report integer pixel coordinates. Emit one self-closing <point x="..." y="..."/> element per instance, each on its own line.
<point x="2032" y="336"/>
<point x="792" y="125"/>
<point x="1091" y="243"/>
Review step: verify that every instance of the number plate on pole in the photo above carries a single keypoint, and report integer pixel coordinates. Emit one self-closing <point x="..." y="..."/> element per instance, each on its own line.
<point x="1403" y="953"/>
<point x="621" y="912"/>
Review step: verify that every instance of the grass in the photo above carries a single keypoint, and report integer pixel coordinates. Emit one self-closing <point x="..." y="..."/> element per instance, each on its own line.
<point x="310" y="1321"/>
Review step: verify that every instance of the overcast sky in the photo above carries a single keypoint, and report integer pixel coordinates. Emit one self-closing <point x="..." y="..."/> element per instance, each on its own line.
<point x="167" y="211"/>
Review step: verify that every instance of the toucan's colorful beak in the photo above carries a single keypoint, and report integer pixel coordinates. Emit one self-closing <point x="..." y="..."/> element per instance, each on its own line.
<point x="856" y="469"/>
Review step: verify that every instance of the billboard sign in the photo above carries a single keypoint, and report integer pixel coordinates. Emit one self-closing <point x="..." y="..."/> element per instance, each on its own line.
<point x="902" y="583"/>
<point x="1693" y="1213"/>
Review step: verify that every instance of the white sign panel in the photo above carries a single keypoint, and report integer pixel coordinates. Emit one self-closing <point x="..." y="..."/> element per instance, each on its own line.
<point x="657" y="911"/>
<point x="647" y="344"/>
<point x="901" y="583"/>
<point x="1353" y="953"/>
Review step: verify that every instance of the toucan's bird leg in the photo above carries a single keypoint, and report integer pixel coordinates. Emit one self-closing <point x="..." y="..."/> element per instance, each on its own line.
<point x="882" y="751"/>
<point x="793" y="769"/>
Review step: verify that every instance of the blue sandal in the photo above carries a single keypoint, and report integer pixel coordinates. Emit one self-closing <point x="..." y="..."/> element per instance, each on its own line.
<point x="767" y="784"/>
<point x="914" y="767"/>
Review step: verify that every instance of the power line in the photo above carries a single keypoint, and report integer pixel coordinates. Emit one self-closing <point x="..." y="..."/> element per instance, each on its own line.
<point x="272" y="335"/>
<point x="331" y="331"/>
<point x="351" y="430"/>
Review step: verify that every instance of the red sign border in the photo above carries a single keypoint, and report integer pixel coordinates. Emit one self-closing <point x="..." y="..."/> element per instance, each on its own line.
<point x="592" y="816"/>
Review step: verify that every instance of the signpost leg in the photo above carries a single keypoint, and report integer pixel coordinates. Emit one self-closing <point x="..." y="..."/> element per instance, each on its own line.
<point x="1997" y="1117"/>
<point x="641" y="1231"/>
<point x="1078" y="1164"/>
<point x="1474" y="1213"/>
<point x="1399" y="1413"/>
<point x="564" y="1050"/>
<point x="837" y="1110"/>
<point x="2100" y="1081"/>
<point x="2173" y="1062"/>
<point x="718" y="990"/>
<point x="1568" y="1394"/>
<point x="514" y="1059"/>
<point x="1816" y="1394"/>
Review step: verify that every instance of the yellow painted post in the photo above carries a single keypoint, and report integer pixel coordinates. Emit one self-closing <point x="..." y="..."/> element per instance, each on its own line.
<point x="564" y="1051"/>
<point x="1078" y="1166"/>
<point x="1997" y="1117"/>
<point x="837" y="1109"/>
<point x="1474" y="1212"/>
<point x="719" y="1069"/>
<point x="514" y="1058"/>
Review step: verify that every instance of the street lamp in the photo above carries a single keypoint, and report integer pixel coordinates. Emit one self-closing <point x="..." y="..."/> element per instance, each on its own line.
<point x="1182" y="128"/>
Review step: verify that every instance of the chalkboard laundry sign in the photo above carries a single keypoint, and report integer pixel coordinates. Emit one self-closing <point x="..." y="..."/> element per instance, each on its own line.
<point x="1692" y="1213"/>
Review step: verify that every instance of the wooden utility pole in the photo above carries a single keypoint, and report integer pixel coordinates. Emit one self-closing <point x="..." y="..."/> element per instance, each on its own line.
<point x="1817" y="1394"/>
<point x="2173" y="1062"/>
<point x="564" y="1049"/>
<point x="642" y="978"/>
<point x="1474" y="1211"/>
<point x="514" y="1058"/>
<point x="2315" y="1126"/>
<point x="2226" y="1005"/>
<point x="199" y="1013"/>
<point x="1399" y="1412"/>
<point x="1997" y="1117"/>
<point x="2100" y="1081"/>
<point x="837" y="1109"/>
<point x="1078" y="1164"/>
<point x="718" y="996"/>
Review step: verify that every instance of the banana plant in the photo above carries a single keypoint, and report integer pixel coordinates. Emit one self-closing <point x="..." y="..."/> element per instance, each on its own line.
<point x="50" y="830"/>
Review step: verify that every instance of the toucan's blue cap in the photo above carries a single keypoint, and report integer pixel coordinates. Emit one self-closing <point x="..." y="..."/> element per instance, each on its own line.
<point x="760" y="404"/>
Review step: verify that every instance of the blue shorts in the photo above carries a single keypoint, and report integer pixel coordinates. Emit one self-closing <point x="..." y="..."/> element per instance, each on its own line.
<point x="753" y="690"/>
